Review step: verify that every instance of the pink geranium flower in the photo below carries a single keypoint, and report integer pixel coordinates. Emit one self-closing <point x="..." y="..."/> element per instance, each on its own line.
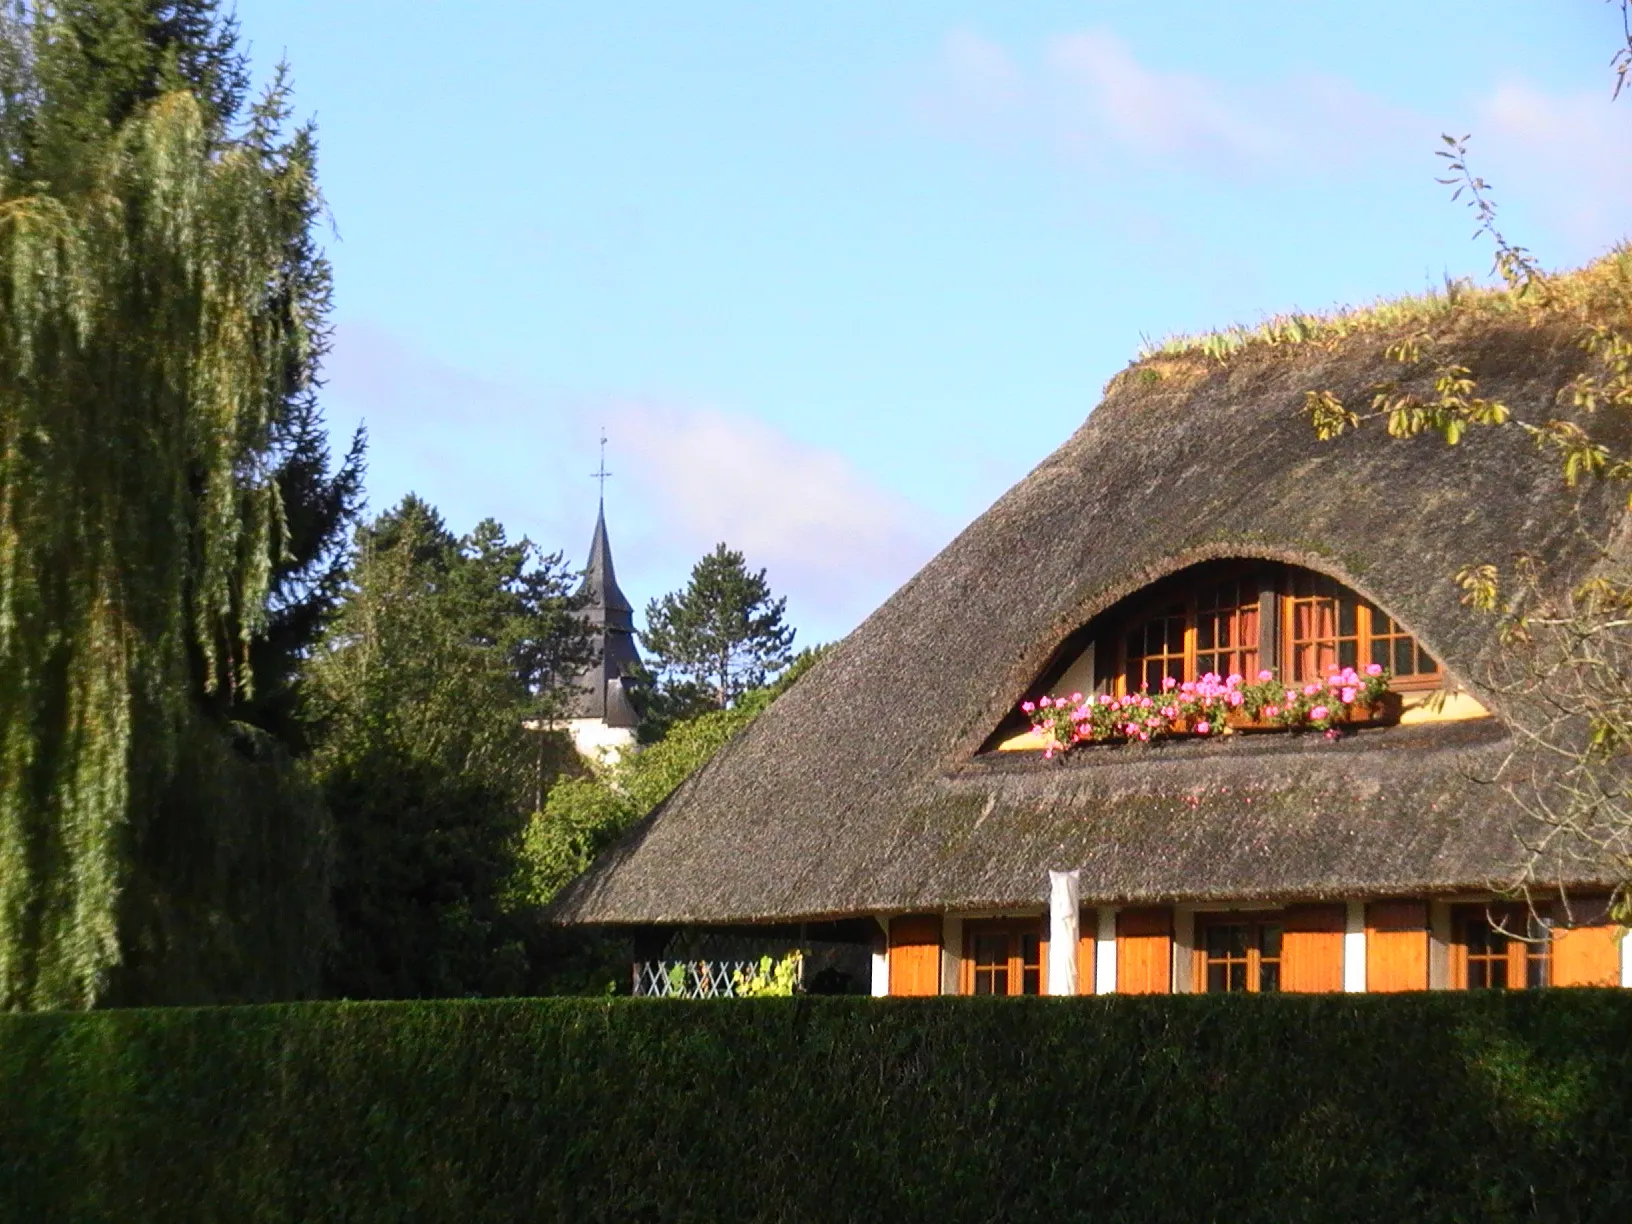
<point x="1318" y="713"/>
<point x="1028" y="706"/>
<point x="1203" y="727"/>
<point x="1309" y="690"/>
<point x="1348" y="695"/>
<point x="1265" y="675"/>
<point x="1374" y="669"/>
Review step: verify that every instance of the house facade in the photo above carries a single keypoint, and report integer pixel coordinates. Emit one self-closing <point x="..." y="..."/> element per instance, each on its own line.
<point x="896" y="801"/>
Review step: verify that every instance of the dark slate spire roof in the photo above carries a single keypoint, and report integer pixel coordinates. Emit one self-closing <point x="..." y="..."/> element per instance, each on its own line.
<point x="603" y="686"/>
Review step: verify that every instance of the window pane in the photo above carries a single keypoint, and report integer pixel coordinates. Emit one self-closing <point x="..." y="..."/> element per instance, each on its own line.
<point x="1348" y="653"/>
<point x="991" y="949"/>
<point x="1226" y="941"/>
<point x="1175" y="635"/>
<point x="1031" y="964"/>
<point x="1347" y="619"/>
<point x="1380" y="653"/>
<point x="1269" y="942"/>
<point x="1405" y="661"/>
<point x="1207" y="633"/>
<point x="1476" y="975"/>
<point x="1269" y="977"/>
<point x="1217" y="981"/>
<point x="1238" y="975"/>
<point x="1481" y="939"/>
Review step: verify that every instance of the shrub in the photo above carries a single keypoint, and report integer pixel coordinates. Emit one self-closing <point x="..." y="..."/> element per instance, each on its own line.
<point x="1344" y="1108"/>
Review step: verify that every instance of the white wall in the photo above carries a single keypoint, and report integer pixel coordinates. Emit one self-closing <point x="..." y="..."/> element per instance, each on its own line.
<point x="599" y="742"/>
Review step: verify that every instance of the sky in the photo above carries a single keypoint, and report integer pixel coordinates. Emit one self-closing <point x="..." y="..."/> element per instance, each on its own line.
<point x="833" y="276"/>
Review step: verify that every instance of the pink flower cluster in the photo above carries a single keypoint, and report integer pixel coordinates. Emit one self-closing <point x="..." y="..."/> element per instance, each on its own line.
<point x="1318" y="704"/>
<point x="1202" y="707"/>
<point x="1193" y="707"/>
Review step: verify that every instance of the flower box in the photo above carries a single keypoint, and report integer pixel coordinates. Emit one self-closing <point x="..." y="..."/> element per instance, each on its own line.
<point x="1213" y="705"/>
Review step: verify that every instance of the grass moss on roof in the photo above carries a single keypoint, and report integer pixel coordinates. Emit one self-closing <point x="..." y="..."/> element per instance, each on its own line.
<point x="1596" y="293"/>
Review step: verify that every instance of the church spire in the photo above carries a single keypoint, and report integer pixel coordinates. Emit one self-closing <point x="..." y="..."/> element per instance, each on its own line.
<point x="603" y="686"/>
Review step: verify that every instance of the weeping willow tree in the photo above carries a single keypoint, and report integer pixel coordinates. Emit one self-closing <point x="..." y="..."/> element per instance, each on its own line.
<point x="153" y="328"/>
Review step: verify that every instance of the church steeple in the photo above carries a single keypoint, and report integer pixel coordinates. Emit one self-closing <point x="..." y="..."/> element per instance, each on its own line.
<point x="602" y="710"/>
<point x="605" y="604"/>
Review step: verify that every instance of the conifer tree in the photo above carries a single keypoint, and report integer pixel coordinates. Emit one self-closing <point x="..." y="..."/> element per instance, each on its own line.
<point x="722" y="634"/>
<point x="422" y="689"/>
<point x="164" y="508"/>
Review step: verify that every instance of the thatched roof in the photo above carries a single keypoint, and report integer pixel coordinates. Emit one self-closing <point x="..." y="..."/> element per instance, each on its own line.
<point x="863" y="788"/>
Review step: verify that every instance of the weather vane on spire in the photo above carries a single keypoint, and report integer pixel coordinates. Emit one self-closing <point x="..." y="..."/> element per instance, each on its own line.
<point x="602" y="473"/>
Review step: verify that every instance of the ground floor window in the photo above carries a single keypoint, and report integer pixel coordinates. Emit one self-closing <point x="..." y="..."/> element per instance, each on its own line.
<point x="1500" y="947"/>
<point x="1003" y="957"/>
<point x="1238" y="953"/>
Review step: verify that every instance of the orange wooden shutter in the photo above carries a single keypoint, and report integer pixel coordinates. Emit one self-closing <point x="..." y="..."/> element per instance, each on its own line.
<point x="1144" y="951"/>
<point x="1396" y="946"/>
<point x="1312" y="949"/>
<point x="1586" y="956"/>
<point x="1087" y="937"/>
<point x="915" y="954"/>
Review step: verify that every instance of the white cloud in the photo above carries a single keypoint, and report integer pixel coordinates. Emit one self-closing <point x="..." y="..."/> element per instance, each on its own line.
<point x="1087" y="96"/>
<point x="830" y="537"/>
<point x="1571" y="153"/>
<point x="977" y="90"/>
<point x="685" y="478"/>
<point x="1103" y="90"/>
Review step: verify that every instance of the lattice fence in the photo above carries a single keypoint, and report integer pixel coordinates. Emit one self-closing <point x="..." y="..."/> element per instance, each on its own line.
<point x="691" y="979"/>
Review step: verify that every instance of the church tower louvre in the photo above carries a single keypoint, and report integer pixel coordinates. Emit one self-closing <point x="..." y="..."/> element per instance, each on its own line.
<point x="602" y="716"/>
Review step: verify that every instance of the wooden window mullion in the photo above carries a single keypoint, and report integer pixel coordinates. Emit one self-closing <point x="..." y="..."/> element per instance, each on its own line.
<point x="1269" y="613"/>
<point x="1190" y="638"/>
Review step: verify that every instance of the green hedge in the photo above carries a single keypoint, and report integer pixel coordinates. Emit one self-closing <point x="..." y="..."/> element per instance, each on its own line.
<point x="1352" y="1109"/>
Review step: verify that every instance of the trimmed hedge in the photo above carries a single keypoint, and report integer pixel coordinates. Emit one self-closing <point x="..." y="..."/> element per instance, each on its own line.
<point x="1480" y="1107"/>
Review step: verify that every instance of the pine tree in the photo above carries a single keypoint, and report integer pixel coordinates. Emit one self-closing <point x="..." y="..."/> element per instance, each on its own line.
<point x="163" y="510"/>
<point x="422" y="689"/>
<point x="722" y="634"/>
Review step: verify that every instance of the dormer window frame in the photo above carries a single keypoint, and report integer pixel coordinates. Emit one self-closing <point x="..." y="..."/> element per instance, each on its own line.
<point x="1304" y="620"/>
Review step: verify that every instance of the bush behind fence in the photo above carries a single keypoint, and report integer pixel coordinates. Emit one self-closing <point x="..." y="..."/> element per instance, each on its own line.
<point x="1428" y="1107"/>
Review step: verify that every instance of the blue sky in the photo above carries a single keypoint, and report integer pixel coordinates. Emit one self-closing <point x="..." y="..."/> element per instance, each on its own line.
<point x="833" y="276"/>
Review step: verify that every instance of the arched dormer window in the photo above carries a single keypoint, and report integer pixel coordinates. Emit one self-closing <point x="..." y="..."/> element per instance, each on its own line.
<point x="1242" y="617"/>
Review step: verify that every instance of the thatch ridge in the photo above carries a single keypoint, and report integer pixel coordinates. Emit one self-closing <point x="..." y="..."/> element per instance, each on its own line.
<point x="859" y="790"/>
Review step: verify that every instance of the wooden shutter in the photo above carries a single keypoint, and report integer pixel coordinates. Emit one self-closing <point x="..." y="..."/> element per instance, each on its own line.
<point x="1312" y="949"/>
<point x="915" y="954"/>
<point x="1087" y="939"/>
<point x="1144" y="951"/>
<point x="1396" y="946"/>
<point x="1589" y="952"/>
